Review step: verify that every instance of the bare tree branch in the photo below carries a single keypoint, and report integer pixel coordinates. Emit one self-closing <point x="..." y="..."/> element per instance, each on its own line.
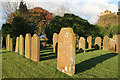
<point x="9" y="7"/>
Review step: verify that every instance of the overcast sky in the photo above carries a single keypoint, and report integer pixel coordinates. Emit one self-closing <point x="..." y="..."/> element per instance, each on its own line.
<point x="87" y="9"/>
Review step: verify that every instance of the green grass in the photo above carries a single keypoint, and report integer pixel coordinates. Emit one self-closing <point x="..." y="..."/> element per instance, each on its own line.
<point x="91" y="64"/>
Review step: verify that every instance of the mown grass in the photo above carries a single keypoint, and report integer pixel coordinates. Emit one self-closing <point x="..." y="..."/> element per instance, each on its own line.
<point x="91" y="64"/>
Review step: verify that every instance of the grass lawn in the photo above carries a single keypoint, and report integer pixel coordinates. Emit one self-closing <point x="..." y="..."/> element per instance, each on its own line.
<point x="91" y="64"/>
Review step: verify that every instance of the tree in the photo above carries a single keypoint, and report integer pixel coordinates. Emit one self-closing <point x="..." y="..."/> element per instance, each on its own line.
<point x="17" y="24"/>
<point x="62" y="10"/>
<point x="9" y="7"/>
<point x="37" y="17"/>
<point x="23" y="7"/>
<point x="80" y="26"/>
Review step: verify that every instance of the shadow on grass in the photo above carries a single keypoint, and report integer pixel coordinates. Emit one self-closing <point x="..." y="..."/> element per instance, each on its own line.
<point x="5" y="51"/>
<point x="46" y="48"/>
<point x="80" y="51"/>
<point x="91" y="50"/>
<point x="47" y="51"/>
<point x="51" y="56"/>
<point x="88" y="64"/>
<point x="47" y="54"/>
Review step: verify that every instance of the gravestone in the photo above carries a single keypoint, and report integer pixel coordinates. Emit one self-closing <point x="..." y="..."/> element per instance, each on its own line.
<point x="66" y="51"/>
<point x="77" y="40"/>
<point x="82" y="43"/>
<point x="8" y="42"/>
<point x="89" y="40"/>
<point x="106" y="45"/>
<point x="28" y="45"/>
<point x="11" y="44"/>
<point x="97" y="44"/>
<point x="1" y="42"/>
<point x="35" y="47"/>
<point x="112" y="44"/>
<point x="21" y="45"/>
<point x="118" y="44"/>
<point x="55" y="41"/>
<point x="115" y="38"/>
<point x="17" y="45"/>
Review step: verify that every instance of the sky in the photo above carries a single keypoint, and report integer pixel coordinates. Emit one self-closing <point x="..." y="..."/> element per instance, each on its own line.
<point x="86" y="9"/>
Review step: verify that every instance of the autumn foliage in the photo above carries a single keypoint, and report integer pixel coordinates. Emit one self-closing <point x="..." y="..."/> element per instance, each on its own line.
<point x="38" y="17"/>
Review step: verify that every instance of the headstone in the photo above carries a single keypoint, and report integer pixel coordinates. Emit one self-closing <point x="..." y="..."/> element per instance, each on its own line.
<point x="115" y="38"/>
<point x="55" y="41"/>
<point x="1" y="42"/>
<point x="77" y="40"/>
<point x="8" y="42"/>
<point x="111" y="44"/>
<point x="89" y="40"/>
<point x="98" y="43"/>
<point x="82" y="43"/>
<point x="11" y="44"/>
<point x="66" y="51"/>
<point x="106" y="45"/>
<point x="21" y="45"/>
<point x="118" y="44"/>
<point x="35" y="47"/>
<point x="28" y="45"/>
<point x="17" y="45"/>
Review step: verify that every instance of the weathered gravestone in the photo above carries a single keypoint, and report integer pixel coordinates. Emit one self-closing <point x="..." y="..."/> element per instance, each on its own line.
<point x="97" y="44"/>
<point x="106" y="45"/>
<point x="66" y="51"/>
<point x="111" y="44"/>
<point x="28" y="45"/>
<point x="17" y="45"/>
<point x="8" y="42"/>
<point x="115" y="38"/>
<point x="55" y="41"/>
<point x="118" y="44"/>
<point x="89" y="40"/>
<point x="11" y="44"/>
<point x="82" y="43"/>
<point x="21" y="45"/>
<point x="77" y="40"/>
<point x="35" y="47"/>
<point x="1" y="42"/>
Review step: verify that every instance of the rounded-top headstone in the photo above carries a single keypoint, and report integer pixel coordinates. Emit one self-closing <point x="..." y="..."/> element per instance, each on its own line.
<point x="89" y="40"/>
<point x="82" y="43"/>
<point x="98" y="43"/>
<point x="8" y="42"/>
<point x="35" y="47"/>
<point x="17" y="45"/>
<point x="27" y="45"/>
<point x="21" y="45"/>
<point x="106" y="45"/>
<point x="55" y="40"/>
